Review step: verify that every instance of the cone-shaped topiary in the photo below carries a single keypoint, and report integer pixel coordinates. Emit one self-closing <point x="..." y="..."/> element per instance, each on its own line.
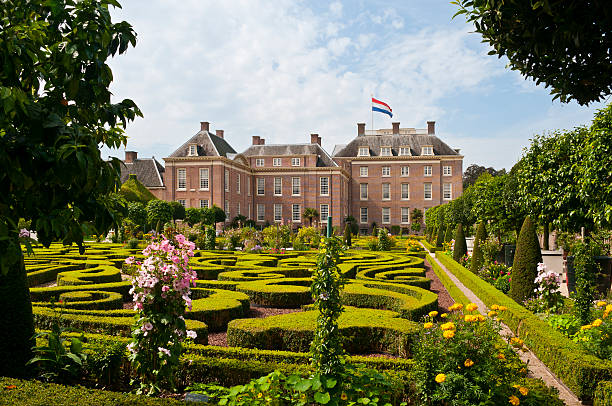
<point x="460" y="248"/>
<point x="347" y="235"/>
<point x="448" y="235"/>
<point x="477" y="256"/>
<point x="525" y="266"/>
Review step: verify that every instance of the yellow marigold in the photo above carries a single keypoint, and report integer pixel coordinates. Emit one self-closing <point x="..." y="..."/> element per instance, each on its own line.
<point x="495" y="307"/>
<point x="468" y="363"/>
<point x="492" y="313"/>
<point x="501" y="356"/>
<point x="514" y="401"/>
<point x="516" y="342"/>
<point x="343" y="396"/>
<point x="448" y="334"/>
<point x="440" y="378"/>
<point x="468" y="318"/>
<point x="597" y="323"/>
<point x="444" y="315"/>
<point x="428" y="325"/>
<point x="471" y="307"/>
<point x="524" y="391"/>
<point x="259" y="395"/>
<point x="588" y="326"/>
<point x="605" y="314"/>
<point x="609" y="308"/>
<point x="502" y="308"/>
<point x="448" y="326"/>
<point x="433" y="313"/>
<point x="480" y="317"/>
<point x="456" y="306"/>
<point x="601" y="303"/>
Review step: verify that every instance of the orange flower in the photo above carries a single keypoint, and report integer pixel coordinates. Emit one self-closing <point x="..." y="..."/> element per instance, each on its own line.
<point x="343" y="396"/>
<point x="514" y="401"/>
<point x="524" y="391"/>
<point x="428" y="325"/>
<point x="492" y="313"/>
<point x="471" y="307"/>
<point x="448" y="334"/>
<point x="468" y="363"/>
<point x="10" y="387"/>
<point x="501" y="356"/>
<point x="440" y="378"/>
<point x="433" y="313"/>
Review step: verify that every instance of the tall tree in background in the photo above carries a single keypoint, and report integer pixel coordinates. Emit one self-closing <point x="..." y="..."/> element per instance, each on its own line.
<point x="564" y="44"/>
<point x="55" y="112"/>
<point x="473" y="172"/>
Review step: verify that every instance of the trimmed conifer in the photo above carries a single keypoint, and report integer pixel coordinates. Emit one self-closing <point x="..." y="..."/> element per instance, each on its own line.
<point x="347" y="235"/>
<point x="525" y="266"/>
<point x="448" y="235"/>
<point x="460" y="248"/>
<point x="477" y="255"/>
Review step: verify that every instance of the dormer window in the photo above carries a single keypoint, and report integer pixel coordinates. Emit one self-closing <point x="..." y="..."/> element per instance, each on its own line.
<point x="193" y="150"/>
<point x="385" y="151"/>
<point x="427" y="150"/>
<point x="295" y="161"/>
<point x="404" y="151"/>
<point x="364" y="151"/>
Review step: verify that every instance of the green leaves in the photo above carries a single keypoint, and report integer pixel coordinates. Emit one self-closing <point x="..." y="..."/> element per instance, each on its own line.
<point x="322" y="397"/>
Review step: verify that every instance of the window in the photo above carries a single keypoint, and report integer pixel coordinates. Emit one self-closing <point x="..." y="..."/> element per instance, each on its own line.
<point x="324" y="186"/>
<point x="204" y="179"/>
<point x="238" y="209"/>
<point x="447" y="170"/>
<point x="181" y="174"/>
<point x="363" y="215"/>
<point x="278" y="212"/>
<point x="386" y="215"/>
<point x="405" y="191"/>
<point x="405" y="171"/>
<point x="385" y="151"/>
<point x="238" y="183"/>
<point x="324" y="211"/>
<point x="227" y="210"/>
<point x="427" y="150"/>
<point x="193" y="150"/>
<point x="363" y="191"/>
<point x="363" y="171"/>
<point x="296" y="215"/>
<point x="227" y="180"/>
<point x="427" y="170"/>
<point x="427" y="191"/>
<point x="404" y="151"/>
<point x="249" y="187"/>
<point x="405" y="214"/>
<point x="278" y="186"/>
<point x="364" y="151"/>
<point x="386" y="191"/>
<point x="261" y="212"/>
<point x="295" y="186"/>
<point x="183" y="202"/>
<point x="259" y="162"/>
<point x="261" y="186"/>
<point x="276" y="162"/>
<point x="386" y="171"/>
<point x="295" y="161"/>
<point x="447" y="191"/>
<point x="204" y="204"/>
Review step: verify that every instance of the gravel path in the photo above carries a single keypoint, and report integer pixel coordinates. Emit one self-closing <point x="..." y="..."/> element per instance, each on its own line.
<point x="444" y="298"/>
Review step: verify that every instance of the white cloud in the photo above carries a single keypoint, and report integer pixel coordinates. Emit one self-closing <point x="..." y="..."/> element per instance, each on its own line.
<point x="336" y="8"/>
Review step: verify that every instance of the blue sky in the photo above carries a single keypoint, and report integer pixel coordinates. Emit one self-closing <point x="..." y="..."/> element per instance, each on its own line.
<point x="285" y="69"/>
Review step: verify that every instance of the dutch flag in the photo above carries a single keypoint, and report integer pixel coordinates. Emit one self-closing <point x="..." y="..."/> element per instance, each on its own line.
<point x="381" y="107"/>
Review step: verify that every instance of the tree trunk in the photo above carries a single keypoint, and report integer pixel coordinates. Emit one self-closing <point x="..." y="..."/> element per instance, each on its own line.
<point x="545" y="237"/>
<point x="16" y="321"/>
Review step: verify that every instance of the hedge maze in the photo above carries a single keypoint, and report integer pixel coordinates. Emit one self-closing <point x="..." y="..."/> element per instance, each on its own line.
<point x="385" y="294"/>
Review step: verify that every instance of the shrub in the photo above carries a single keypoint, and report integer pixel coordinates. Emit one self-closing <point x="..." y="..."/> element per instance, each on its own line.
<point x="278" y="236"/>
<point x="347" y="235"/>
<point x="477" y="256"/>
<point x="460" y="248"/>
<point x="586" y="269"/>
<point x="526" y="260"/>
<point x="159" y="212"/>
<point x="193" y="216"/>
<point x="132" y="243"/>
<point x="309" y="236"/>
<point x="384" y="242"/>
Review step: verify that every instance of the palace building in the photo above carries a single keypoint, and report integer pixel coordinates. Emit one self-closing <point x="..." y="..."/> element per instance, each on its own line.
<point x="379" y="177"/>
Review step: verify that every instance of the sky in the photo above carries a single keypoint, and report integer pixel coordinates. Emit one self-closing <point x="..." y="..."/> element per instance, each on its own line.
<point x="285" y="69"/>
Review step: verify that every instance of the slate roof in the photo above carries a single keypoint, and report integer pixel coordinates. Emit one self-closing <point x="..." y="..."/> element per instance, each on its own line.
<point x="148" y="171"/>
<point x="208" y="145"/>
<point x="414" y="141"/>
<point x="323" y="158"/>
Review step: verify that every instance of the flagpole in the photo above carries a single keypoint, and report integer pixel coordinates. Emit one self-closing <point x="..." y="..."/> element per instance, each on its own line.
<point x="372" y="122"/>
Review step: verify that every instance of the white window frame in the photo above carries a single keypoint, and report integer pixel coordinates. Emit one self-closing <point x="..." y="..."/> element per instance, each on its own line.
<point x="405" y="191"/>
<point x="427" y="150"/>
<point x="238" y="209"/>
<point x="296" y="184"/>
<point x="363" y="171"/>
<point x="447" y="170"/>
<point x="427" y="170"/>
<point x="324" y="186"/>
<point x="388" y="215"/>
<point x="296" y="162"/>
<point x="276" y="161"/>
<point x="259" y="162"/>
<point x="385" y="189"/>
<point x="227" y="180"/>
<point x="386" y="151"/>
<point x="296" y="215"/>
<point x="405" y="214"/>
<point x="363" y="211"/>
<point x="249" y="186"/>
<point x="426" y="186"/>
<point x="183" y="202"/>
<point x="363" y="151"/>
<point x="261" y="182"/>
<point x="405" y="171"/>
<point x="193" y="150"/>
<point x="238" y="183"/>
<point x="204" y="203"/>
<point x="322" y="217"/>
<point x="181" y="178"/>
<point x="278" y="212"/>
<point x="227" y="210"/>
<point x="280" y="186"/>
<point x="204" y="179"/>
<point x="362" y="187"/>
<point x="404" y="151"/>
<point x="386" y="171"/>
<point x="261" y="212"/>
<point x="447" y="191"/>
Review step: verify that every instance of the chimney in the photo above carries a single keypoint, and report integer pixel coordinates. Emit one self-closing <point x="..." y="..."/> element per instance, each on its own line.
<point x="360" y="129"/>
<point x="315" y="139"/>
<point x="262" y="141"/>
<point x="395" y="128"/>
<point x="130" y="156"/>
<point x="256" y="140"/>
<point x="431" y="128"/>
<point x="204" y="125"/>
<point x="220" y="133"/>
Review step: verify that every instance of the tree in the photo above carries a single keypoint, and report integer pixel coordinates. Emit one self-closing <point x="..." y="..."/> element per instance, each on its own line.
<point x="352" y="222"/>
<point x="218" y="214"/>
<point x="525" y="266"/>
<point x="460" y="248"/>
<point x="564" y="44"/>
<point x="448" y="234"/>
<point x="347" y="235"/>
<point x="477" y="254"/>
<point x="193" y="215"/>
<point x="473" y="172"/>
<point x="178" y="211"/>
<point x="440" y="227"/>
<point x="416" y="220"/>
<point x="137" y="214"/>
<point x="159" y="212"/>
<point x="310" y="213"/>
<point x="56" y="112"/>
